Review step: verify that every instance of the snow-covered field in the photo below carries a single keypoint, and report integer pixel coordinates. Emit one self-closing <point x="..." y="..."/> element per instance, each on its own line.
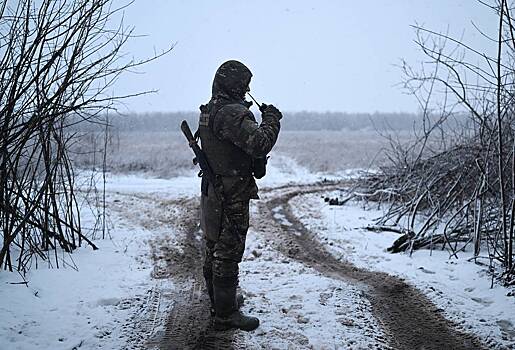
<point x="96" y="305"/>
<point x="86" y="308"/>
<point x="103" y="302"/>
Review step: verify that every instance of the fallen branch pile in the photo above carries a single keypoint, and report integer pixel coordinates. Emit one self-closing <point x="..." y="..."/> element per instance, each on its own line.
<point x="461" y="192"/>
<point x="450" y="198"/>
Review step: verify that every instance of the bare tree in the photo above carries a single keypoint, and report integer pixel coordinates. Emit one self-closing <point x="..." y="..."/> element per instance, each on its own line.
<point x="58" y="61"/>
<point x="459" y="183"/>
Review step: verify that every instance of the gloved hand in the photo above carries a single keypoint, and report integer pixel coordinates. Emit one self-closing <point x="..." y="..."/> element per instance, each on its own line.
<point x="259" y="167"/>
<point x="270" y="110"/>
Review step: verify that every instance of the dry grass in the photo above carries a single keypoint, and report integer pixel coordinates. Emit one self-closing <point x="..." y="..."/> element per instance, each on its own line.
<point x="333" y="151"/>
<point x="166" y="154"/>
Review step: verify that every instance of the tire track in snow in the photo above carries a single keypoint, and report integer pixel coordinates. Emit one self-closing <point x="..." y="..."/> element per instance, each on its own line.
<point x="179" y="258"/>
<point x="189" y="324"/>
<point x="409" y="318"/>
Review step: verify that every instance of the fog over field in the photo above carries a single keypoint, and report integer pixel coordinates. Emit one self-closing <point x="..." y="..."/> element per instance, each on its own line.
<point x="321" y="142"/>
<point x="305" y="120"/>
<point x="328" y="142"/>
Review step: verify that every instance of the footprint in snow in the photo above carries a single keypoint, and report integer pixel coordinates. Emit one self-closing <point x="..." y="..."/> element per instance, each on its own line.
<point x="507" y="328"/>
<point x="421" y="268"/>
<point x="482" y="301"/>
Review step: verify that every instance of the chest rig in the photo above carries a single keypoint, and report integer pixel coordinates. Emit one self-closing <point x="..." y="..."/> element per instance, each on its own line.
<point x="225" y="158"/>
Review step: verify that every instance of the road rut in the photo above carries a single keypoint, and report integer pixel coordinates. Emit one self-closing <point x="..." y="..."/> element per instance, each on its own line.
<point x="410" y="319"/>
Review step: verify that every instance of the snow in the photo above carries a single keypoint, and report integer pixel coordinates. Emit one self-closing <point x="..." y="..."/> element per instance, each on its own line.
<point x="461" y="288"/>
<point x="180" y="186"/>
<point x="300" y="309"/>
<point x="67" y="308"/>
<point x="98" y="305"/>
<point x="84" y="308"/>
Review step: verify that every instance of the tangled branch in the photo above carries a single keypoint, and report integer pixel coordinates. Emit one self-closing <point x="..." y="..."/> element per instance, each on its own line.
<point x="455" y="187"/>
<point x="58" y="60"/>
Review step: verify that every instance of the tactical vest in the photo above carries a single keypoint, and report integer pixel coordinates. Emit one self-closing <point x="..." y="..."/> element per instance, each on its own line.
<point x="225" y="158"/>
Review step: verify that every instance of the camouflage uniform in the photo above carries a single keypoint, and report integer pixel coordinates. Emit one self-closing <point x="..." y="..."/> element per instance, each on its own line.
<point x="235" y="146"/>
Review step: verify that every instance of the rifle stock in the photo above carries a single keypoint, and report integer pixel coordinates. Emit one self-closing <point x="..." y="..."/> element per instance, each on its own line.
<point x="201" y="157"/>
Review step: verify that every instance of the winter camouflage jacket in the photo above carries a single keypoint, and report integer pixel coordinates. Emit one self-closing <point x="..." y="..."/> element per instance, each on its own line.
<point x="230" y="136"/>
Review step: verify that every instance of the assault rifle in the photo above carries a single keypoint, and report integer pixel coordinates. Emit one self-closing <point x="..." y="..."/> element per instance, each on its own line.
<point x="201" y="160"/>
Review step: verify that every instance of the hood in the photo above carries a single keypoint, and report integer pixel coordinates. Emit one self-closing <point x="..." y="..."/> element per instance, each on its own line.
<point x="231" y="81"/>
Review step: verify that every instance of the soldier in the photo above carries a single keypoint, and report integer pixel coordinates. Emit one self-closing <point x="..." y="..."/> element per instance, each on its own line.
<point x="236" y="148"/>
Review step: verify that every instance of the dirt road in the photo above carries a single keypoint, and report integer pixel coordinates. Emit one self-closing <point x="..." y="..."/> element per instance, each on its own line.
<point x="409" y="320"/>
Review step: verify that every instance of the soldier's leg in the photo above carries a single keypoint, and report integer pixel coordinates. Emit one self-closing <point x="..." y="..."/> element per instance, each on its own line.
<point x="228" y="252"/>
<point x="208" y="271"/>
<point x="211" y="224"/>
<point x="208" y="277"/>
<point x="230" y="245"/>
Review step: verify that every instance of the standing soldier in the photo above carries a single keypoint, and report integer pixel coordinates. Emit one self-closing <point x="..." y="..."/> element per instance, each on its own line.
<point x="236" y="148"/>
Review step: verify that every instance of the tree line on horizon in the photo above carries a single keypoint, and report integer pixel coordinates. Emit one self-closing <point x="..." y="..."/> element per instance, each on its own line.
<point x="294" y="121"/>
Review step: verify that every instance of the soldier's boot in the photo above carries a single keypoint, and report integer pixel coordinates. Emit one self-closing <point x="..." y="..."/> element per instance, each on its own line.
<point x="240" y="300"/>
<point x="227" y="314"/>
<point x="208" y="276"/>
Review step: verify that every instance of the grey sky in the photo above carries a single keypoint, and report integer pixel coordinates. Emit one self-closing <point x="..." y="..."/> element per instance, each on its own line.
<point x="305" y="55"/>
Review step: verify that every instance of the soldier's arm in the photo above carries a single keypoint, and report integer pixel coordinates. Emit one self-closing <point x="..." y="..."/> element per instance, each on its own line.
<point x="238" y="125"/>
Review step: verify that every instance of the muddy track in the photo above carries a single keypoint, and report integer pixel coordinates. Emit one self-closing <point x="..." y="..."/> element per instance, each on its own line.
<point x="409" y="318"/>
<point x="188" y="324"/>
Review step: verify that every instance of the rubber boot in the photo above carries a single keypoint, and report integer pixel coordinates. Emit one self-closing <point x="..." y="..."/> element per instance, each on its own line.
<point x="240" y="300"/>
<point x="227" y="314"/>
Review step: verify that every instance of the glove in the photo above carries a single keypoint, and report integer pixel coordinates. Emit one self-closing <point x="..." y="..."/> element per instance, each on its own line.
<point x="271" y="110"/>
<point x="259" y="167"/>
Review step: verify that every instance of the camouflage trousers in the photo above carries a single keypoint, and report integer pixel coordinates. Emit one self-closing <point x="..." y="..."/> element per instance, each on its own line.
<point x="225" y="229"/>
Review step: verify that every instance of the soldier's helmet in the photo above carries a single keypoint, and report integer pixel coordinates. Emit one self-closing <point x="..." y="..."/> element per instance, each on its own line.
<point x="232" y="78"/>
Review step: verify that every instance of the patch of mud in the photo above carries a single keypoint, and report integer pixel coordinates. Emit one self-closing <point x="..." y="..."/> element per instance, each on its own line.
<point x="186" y="322"/>
<point x="409" y="319"/>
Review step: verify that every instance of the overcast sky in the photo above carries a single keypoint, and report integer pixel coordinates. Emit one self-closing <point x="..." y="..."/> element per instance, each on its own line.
<point x="324" y="55"/>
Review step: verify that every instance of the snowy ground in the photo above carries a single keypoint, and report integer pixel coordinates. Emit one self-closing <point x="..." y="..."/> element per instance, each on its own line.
<point x="104" y="303"/>
<point x="96" y="305"/>
<point x="300" y="309"/>
<point x="456" y="285"/>
<point x="85" y="308"/>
